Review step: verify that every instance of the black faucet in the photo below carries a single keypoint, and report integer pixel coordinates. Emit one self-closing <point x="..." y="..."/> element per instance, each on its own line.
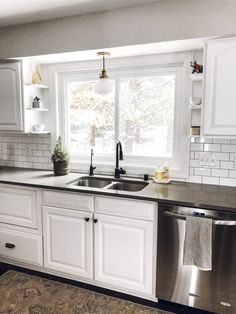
<point x="91" y="164"/>
<point x="119" y="156"/>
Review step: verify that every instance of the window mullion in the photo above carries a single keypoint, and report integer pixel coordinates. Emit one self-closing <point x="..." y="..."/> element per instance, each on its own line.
<point x="117" y="109"/>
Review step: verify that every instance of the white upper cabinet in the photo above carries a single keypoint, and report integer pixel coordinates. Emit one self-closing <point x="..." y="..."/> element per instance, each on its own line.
<point x="220" y="88"/>
<point x="11" y="106"/>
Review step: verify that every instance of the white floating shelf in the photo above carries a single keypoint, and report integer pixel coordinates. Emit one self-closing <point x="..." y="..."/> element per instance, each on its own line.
<point x="196" y="77"/>
<point x="194" y="136"/>
<point x="37" y="109"/>
<point x="38" y="133"/>
<point x="195" y="107"/>
<point x="38" y="86"/>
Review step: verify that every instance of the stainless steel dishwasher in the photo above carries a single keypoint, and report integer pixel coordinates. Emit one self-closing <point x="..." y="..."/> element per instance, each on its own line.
<point x="213" y="290"/>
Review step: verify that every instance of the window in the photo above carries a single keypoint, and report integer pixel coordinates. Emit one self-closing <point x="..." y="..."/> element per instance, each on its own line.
<point x="147" y="115"/>
<point x="90" y="119"/>
<point x="145" y="112"/>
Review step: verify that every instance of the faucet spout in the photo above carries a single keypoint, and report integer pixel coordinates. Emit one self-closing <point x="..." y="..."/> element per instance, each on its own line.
<point x="91" y="168"/>
<point x="119" y="156"/>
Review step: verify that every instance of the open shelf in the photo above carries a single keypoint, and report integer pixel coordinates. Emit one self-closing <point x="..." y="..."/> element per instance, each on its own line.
<point x="38" y="133"/>
<point x="37" y="109"/>
<point x="37" y="86"/>
<point x="195" y="107"/>
<point x="196" y="77"/>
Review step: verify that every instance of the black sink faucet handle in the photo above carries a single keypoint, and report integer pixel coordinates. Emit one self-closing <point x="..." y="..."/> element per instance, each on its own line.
<point x="122" y="171"/>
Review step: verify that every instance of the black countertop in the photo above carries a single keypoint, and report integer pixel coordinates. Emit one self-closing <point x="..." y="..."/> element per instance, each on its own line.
<point x="179" y="193"/>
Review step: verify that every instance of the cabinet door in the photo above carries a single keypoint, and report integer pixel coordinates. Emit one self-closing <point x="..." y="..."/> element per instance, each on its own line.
<point x="19" y="206"/>
<point x="220" y="88"/>
<point x="124" y="253"/>
<point x="68" y="241"/>
<point x="11" y="107"/>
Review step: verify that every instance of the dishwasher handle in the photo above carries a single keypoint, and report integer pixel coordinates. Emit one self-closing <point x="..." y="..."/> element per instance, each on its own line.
<point x="215" y="221"/>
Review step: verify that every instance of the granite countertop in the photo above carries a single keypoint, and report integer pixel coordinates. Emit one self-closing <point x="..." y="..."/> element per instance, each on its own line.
<point x="179" y="193"/>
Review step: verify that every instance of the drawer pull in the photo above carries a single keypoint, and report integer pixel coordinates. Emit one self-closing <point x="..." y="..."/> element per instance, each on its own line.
<point x="10" y="245"/>
<point x="95" y="220"/>
<point x="86" y="219"/>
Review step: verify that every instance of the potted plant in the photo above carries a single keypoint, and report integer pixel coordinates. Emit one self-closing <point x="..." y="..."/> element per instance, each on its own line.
<point x="60" y="158"/>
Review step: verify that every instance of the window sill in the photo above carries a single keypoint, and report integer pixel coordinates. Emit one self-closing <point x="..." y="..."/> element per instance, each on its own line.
<point x="131" y="169"/>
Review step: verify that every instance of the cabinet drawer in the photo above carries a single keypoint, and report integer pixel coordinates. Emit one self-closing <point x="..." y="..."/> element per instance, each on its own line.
<point x="21" y="246"/>
<point x="18" y="206"/>
<point x="68" y="200"/>
<point x="125" y="208"/>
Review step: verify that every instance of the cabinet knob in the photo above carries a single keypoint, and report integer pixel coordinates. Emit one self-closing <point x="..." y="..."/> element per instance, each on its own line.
<point x="87" y="219"/>
<point x="95" y="220"/>
<point x="10" y="245"/>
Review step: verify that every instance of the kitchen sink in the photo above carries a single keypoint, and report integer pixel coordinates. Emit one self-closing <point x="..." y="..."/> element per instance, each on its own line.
<point x="92" y="182"/>
<point x="109" y="183"/>
<point x="127" y="186"/>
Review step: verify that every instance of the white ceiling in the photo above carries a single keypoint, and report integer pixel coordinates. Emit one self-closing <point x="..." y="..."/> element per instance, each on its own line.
<point x="119" y="52"/>
<point x="14" y="12"/>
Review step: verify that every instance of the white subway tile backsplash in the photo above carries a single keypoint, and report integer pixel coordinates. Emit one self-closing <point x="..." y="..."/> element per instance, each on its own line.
<point x="196" y="147"/>
<point x="37" y="153"/>
<point x="221" y="141"/>
<point x="232" y="157"/>
<point x="223" y="168"/>
<point x="34" y="151"/>
<point x="191" y="171"/>
<point x="228" y="148"/>
<point x="222" y="156"/>
<point x="203" y="140"/>
<point x="212" y="147"/>
<point x="202" y="171"/>
<point x="232" y="174"/>
<point x="28" y="151"/>
<point x="226" y="165"/>
<point x="194" y="179"/>
<point x="210" y="180"/>
<point x="220" y="173"/>
<point x="194" y="163"/>
<point x="42" y="147"/>
<point x="228" y="181"/>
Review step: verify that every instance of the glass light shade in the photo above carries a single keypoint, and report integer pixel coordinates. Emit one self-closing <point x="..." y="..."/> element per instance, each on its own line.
<point x="104" y="86"/>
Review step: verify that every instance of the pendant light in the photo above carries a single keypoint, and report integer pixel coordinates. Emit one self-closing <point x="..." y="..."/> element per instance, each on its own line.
<point x="104" y="85"/>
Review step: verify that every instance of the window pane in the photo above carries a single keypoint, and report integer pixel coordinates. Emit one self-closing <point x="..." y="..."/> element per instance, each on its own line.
<point x="147" y="115"/>
<point x="91" y="119"/>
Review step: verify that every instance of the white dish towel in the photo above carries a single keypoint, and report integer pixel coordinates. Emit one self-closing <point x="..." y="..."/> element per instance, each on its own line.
<point x="198" y="243"/>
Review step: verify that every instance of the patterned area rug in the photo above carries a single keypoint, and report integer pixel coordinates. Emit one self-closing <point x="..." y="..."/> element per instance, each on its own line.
<point x="25" y="294"/>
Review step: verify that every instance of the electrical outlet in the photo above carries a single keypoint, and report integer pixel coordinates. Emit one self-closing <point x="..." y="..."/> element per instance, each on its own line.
<point x="207" y="160"/>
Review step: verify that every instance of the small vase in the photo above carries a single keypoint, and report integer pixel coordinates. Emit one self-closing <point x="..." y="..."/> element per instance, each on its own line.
<point x="36" y="77"/>
<point x="61" y="168"/>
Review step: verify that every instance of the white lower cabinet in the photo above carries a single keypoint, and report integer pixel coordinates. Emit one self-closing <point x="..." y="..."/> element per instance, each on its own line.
<point x="108" y="241"/>
<point x="124" y="252"/>
<point x="68" y="241"/>
<point x="21" y="246"/>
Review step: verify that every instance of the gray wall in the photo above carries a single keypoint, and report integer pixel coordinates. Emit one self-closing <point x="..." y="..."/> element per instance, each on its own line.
<point x="161" y="21"/>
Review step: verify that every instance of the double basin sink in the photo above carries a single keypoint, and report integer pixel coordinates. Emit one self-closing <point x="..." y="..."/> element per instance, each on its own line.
<point x="109" y="183"/>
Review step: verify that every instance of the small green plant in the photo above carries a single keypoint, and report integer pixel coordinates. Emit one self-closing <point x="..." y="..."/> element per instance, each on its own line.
<point x="60" y="152"/>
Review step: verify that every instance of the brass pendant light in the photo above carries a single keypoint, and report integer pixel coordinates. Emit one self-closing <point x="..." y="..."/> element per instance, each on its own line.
<point x="104" y="85"/>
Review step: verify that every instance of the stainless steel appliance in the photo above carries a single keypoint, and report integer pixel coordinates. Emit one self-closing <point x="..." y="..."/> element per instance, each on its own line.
<point x="213" y="290"/>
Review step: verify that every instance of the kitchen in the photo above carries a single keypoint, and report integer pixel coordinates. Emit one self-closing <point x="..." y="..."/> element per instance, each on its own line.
<point x="102" y="231"/>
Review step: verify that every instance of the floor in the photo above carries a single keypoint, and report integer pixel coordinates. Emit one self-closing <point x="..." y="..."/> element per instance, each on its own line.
<point x="27" y="294"/>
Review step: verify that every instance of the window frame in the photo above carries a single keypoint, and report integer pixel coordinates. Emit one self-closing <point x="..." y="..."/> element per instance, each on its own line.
<point x="135" y="165"/>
